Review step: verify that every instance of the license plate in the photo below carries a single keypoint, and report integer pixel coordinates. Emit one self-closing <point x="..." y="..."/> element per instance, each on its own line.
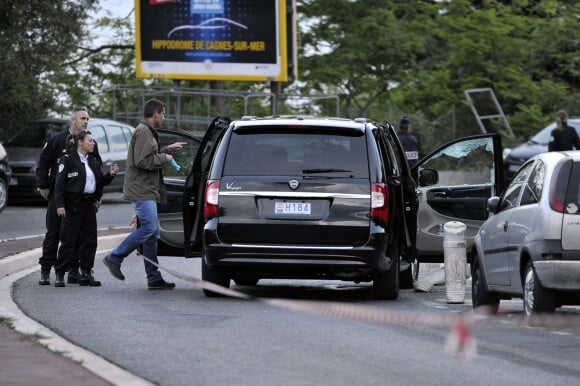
<point x="292" y="207"/>
<point x="13" y="182"/>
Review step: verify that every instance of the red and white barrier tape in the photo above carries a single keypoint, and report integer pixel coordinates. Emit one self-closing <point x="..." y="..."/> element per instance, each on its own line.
<point x="460" y="342"/>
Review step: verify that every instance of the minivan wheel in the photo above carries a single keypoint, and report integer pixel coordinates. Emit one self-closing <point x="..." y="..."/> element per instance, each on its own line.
<point x="537" y="299"/>
<point x="213" y="275"/>
<point x="481" y="298"/>
<point x="409" y="275"/>
<point x="386" y="284"/>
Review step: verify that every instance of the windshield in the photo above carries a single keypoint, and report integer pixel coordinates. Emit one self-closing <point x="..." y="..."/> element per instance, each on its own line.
<point x="543" y="137"/>
<point x="35" y="134"/>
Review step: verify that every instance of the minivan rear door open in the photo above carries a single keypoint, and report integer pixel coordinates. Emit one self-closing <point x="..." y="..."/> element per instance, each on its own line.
<point x="170" y="214"/>
<point x="194" y="190"/>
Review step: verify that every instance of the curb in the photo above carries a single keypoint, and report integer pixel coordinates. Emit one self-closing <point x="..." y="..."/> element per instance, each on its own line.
<point x="16" y="267"/>
<point x="26" y="259"/>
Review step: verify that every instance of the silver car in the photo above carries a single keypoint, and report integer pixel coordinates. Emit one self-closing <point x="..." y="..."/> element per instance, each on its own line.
<point x="25" y="146"/>
<point x="530" y="246"/>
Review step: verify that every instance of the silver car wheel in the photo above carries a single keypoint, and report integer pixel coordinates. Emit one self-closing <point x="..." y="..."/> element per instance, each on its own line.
<point x="529" y="284"/>
<point x="3" y="194"/>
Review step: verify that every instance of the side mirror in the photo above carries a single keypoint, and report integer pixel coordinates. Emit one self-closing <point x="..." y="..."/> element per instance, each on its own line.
<point x="428" y="177"/>
<point x="492" y="204"/>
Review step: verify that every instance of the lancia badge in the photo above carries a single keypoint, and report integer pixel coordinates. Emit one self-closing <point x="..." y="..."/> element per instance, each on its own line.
<point x="293" y="184"/>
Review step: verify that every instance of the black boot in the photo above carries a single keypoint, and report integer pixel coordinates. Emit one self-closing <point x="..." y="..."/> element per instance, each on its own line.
<point x="59" y="281"/>
<point x="44" y="278"/>
<point x="73" y="276"/>
<point x="87" y="278"/>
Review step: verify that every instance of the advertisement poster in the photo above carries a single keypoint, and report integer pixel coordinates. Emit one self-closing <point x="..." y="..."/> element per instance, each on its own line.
<point x="211" y="39"/>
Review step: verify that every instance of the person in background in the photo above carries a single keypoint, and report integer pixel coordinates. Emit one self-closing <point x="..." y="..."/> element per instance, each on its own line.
<point x="564" y="136"/>
<point x="46" y="171"/>
<point x="409" y="142"/>
<point x="77" y="193"/>
<point x="144" y="187"/>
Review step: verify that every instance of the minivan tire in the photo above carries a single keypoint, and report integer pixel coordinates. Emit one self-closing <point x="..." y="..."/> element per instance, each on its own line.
<point x="408" y="277"/>
<point x="386" y="284"/>
<point x="213" y="275"/>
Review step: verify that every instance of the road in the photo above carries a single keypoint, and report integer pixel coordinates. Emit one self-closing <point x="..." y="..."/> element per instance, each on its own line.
<point x="181" y="337"/>
<point x="25" y="219"/>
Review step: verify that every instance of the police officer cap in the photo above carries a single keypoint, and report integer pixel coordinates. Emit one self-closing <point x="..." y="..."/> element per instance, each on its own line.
<point x="405" y="121"/>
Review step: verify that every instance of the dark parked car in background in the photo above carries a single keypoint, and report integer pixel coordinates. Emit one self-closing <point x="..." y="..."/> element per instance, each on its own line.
<point x="321" y="198"/>
<point x="5" y="175"/>
<point x="514" y="158"/>
<point x="25" y="146"/>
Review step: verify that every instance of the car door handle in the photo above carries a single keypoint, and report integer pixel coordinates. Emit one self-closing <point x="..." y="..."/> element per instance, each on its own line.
<point x="505" y="226"/>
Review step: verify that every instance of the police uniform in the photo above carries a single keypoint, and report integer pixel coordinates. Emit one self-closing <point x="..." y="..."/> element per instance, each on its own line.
<point x="409" y="142"/>
<point x="46" y="171"/>
<point x="410" y="146"/>
<point x="78" y="187"/>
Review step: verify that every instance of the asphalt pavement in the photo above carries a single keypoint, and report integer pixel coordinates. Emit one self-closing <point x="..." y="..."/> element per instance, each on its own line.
<point x="30" y="353"/>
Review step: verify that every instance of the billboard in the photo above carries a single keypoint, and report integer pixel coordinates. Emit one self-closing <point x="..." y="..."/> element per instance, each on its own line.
<point x="212" y="39"/>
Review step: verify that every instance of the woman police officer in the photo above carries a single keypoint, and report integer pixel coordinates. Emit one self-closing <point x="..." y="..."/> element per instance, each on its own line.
<point x="78" y="190"/>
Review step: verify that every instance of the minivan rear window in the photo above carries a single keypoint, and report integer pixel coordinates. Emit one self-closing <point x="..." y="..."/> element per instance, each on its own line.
<point x="305" y="152"/>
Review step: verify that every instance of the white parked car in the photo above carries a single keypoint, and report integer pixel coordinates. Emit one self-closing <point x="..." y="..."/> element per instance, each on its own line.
<point x="530" y="246"/>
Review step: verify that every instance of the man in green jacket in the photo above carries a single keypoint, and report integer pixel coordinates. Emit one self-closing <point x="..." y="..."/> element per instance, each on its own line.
<point x="144" y="187"/>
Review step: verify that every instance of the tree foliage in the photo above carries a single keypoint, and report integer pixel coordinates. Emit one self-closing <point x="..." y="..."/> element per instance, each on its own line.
<point x="36" y="38"/>
<point x="422" y="55"/>
<point x="384" y="58"/>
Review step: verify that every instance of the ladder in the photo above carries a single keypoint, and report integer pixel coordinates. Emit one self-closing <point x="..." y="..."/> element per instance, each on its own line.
<point x="479" y="118"/>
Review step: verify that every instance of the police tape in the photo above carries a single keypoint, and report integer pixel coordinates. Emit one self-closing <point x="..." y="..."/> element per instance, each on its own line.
<point x="459" y="342"/>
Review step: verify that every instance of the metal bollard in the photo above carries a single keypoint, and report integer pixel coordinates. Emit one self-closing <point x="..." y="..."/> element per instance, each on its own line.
<point x="455" y="260"/>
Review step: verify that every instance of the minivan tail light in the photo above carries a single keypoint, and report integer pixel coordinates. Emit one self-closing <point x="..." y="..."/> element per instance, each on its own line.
<point x="559" y="184"/>
<point x="211" y="204"/>
<point x="380" y="202"/>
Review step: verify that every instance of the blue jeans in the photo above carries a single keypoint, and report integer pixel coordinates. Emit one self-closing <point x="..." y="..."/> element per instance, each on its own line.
<point x="146" y="234"/>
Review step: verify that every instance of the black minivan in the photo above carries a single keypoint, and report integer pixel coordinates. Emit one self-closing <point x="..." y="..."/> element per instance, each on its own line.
<point x="323" y="198"/>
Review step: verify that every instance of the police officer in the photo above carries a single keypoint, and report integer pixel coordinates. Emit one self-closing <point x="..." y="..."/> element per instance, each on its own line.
<point x="78" y="189"/>
<point x="409" y="142"/>
<point x="46" y="171"/>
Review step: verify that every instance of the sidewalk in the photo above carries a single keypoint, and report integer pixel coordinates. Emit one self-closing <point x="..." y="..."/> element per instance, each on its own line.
<point x="30" y="354"/>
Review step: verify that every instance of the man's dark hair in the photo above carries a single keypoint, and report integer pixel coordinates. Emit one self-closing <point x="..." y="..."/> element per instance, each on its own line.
<point x="153" y="106"/>
<point x="405" y="124"/>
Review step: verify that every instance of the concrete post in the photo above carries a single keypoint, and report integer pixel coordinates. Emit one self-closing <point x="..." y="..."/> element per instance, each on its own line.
<point x="455" y="261"/>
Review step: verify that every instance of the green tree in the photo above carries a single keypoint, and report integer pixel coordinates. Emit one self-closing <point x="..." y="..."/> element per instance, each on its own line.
<point x="420" y="56"/>
<point x="36" y="37"/>
<point x="361" y="49"/>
